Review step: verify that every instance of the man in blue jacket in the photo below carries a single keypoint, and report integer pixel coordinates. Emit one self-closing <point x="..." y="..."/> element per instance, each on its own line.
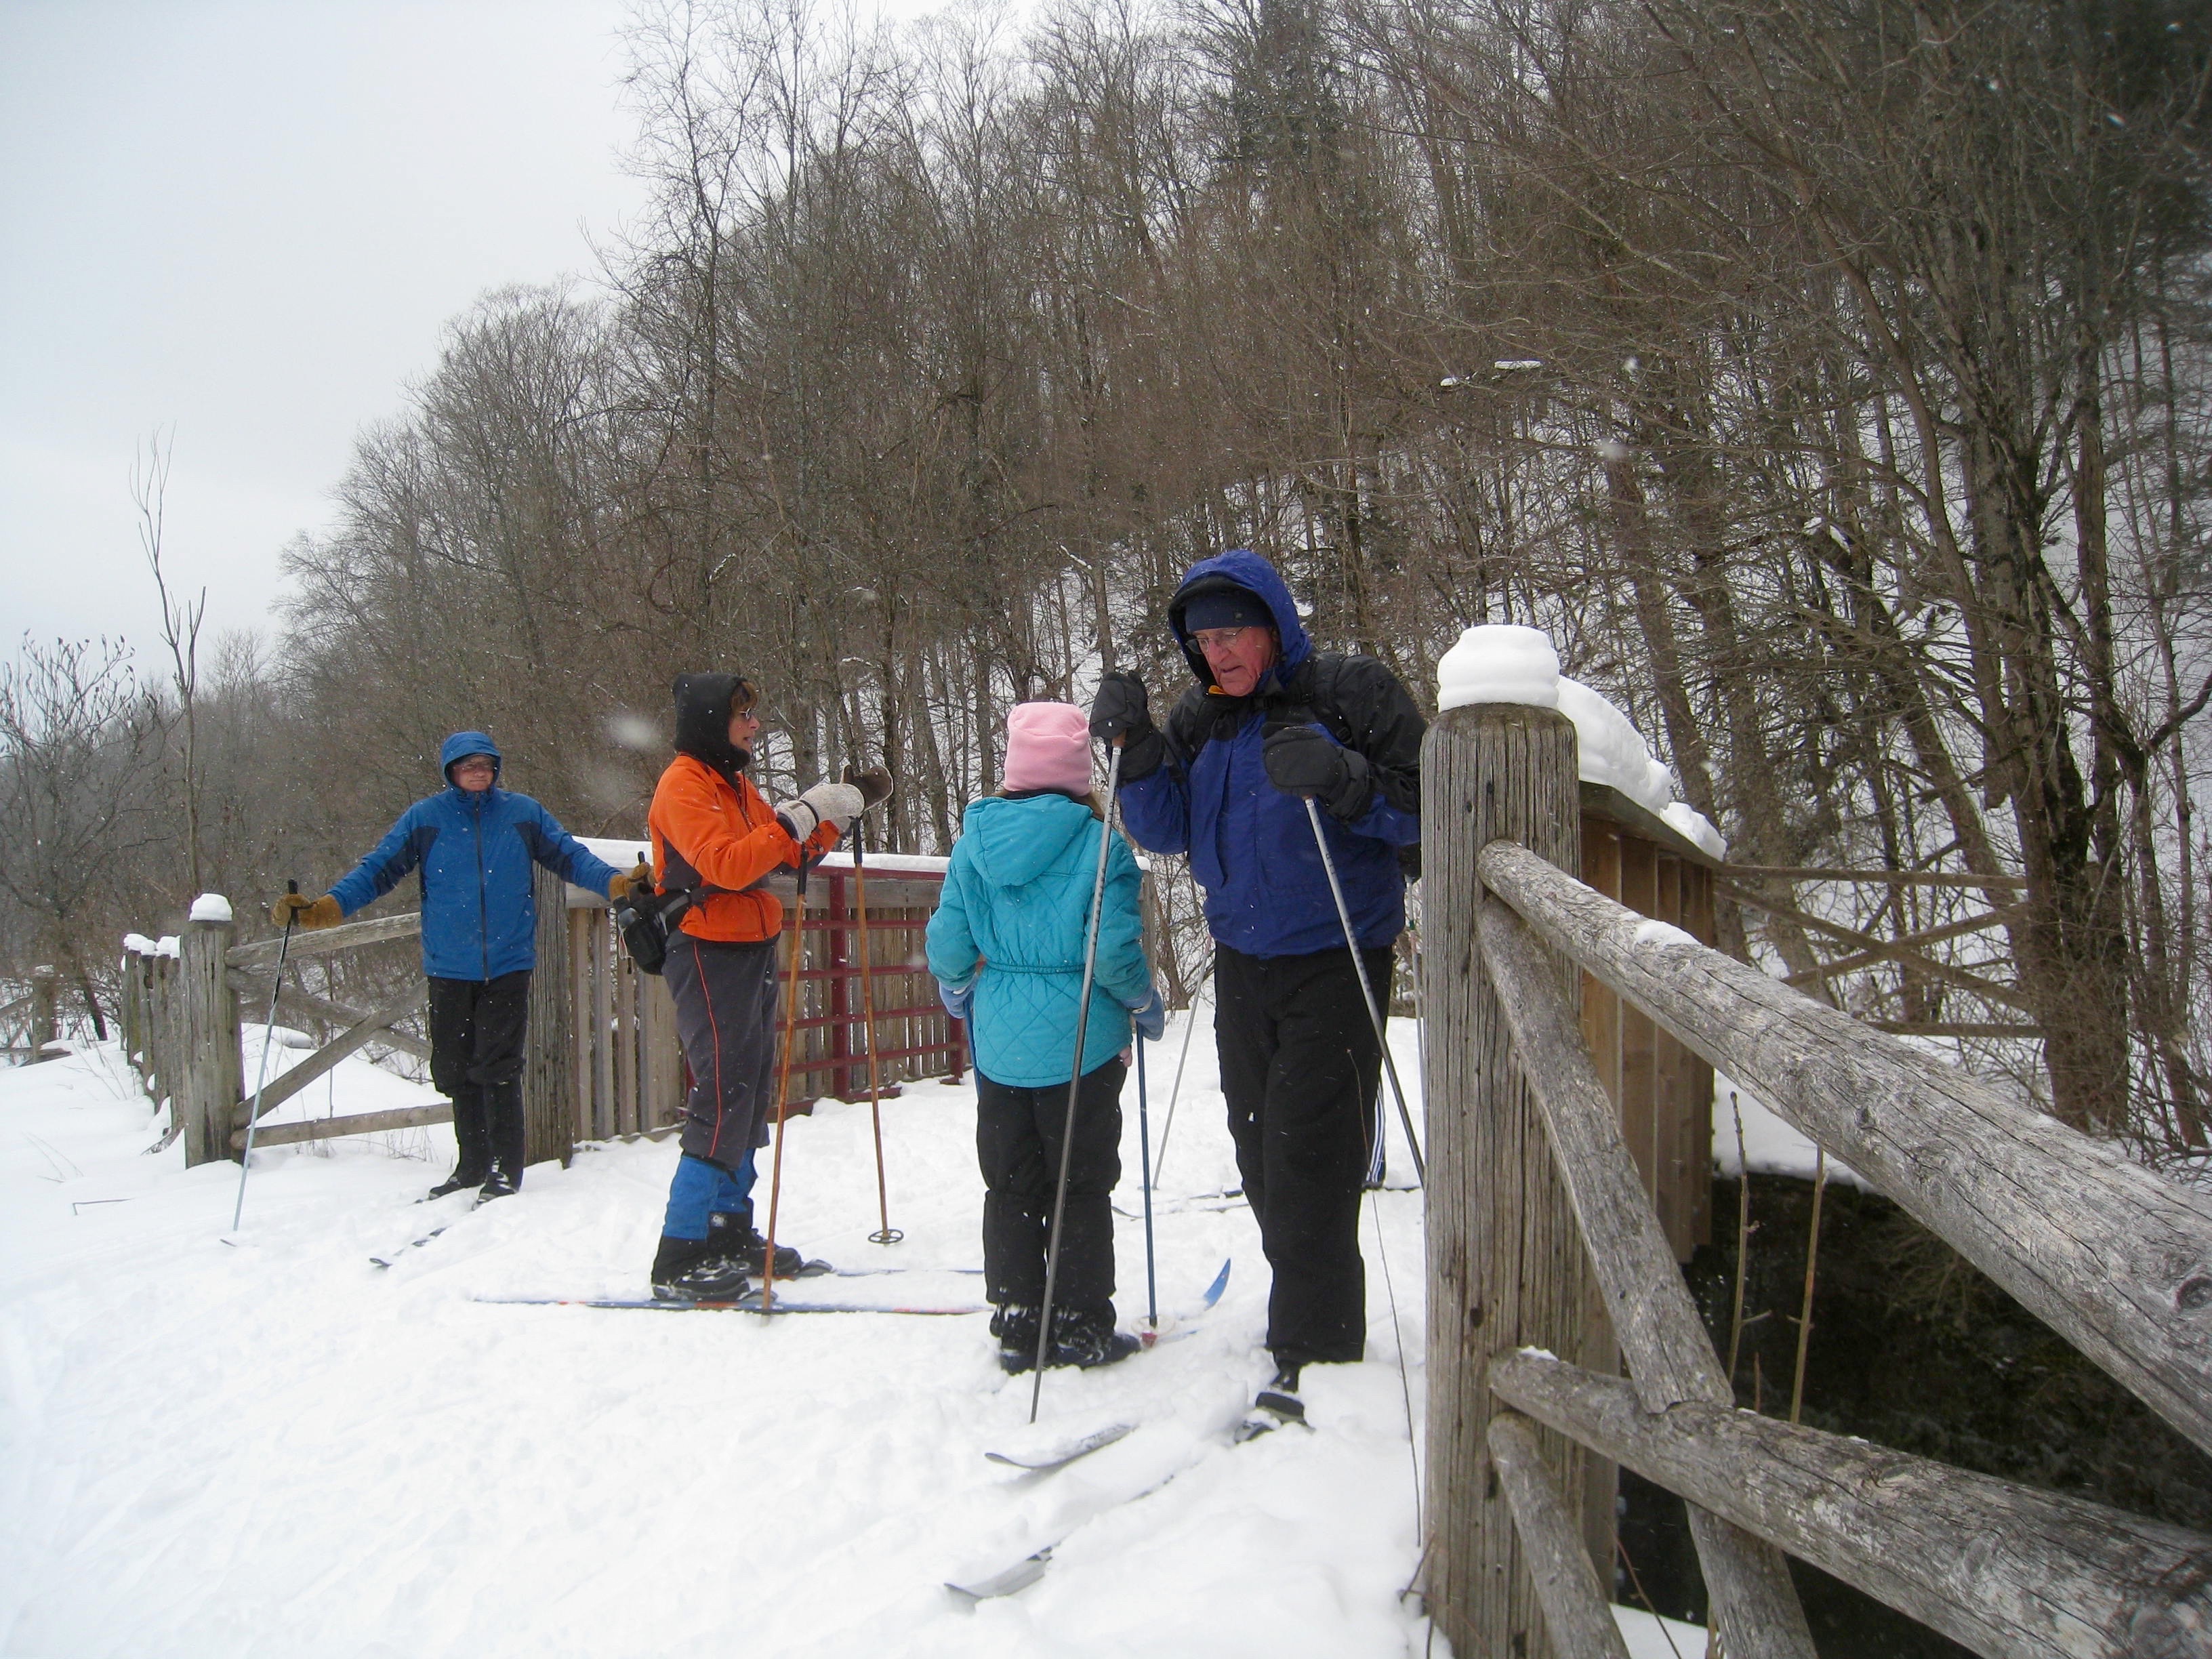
<point x="475" y="844"/>
<point x="1269" y="724"/>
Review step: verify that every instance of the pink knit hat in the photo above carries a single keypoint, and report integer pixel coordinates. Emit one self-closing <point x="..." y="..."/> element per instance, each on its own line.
<point x="1048" y="747"/>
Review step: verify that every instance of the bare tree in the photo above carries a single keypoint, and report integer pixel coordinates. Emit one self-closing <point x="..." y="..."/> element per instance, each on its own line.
<point x="78" y="740"/>
<point x="181" y="631"/>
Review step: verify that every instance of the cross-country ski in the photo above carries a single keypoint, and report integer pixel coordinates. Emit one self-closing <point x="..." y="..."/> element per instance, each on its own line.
<point x="750" y="1302"/>
<point x="1059" y="1455"/>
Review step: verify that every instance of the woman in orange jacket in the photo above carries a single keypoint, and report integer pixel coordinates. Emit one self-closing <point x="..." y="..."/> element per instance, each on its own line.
<point x="715" y="834"/>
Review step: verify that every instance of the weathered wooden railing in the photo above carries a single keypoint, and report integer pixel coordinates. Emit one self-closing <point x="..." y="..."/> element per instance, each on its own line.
<point x="625" y="1047"/>
<point x="603" y="1059"/>
<point x="1544" y="1252"/>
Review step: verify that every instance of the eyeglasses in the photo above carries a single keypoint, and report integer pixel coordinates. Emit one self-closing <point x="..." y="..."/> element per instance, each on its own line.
<point x="475" y="763"/>
<point x="1220" y="639"/>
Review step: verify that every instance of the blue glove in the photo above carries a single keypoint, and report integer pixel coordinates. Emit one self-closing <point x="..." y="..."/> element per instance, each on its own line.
<point x="958" y="1001"/>
<point x="1150" y="1018"/>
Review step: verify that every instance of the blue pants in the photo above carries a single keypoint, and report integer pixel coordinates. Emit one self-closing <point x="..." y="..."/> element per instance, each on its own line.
<point x="702" y="1190"/>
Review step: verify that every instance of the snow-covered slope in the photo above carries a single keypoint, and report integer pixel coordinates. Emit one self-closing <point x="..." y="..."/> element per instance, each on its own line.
<point x="272" y="1448"/>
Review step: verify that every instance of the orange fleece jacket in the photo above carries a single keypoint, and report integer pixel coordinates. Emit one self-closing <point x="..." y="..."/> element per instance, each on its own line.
<point x="730" y="838"/>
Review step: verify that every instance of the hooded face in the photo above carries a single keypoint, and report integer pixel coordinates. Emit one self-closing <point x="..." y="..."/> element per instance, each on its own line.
<point x="1237" y="656"/>
<point x="713" y="719"/>
<point x="1238" y="589"/>
<point x="468" y="745"/>
<point x="744" y="725"/>
<point x="474" y="773"/>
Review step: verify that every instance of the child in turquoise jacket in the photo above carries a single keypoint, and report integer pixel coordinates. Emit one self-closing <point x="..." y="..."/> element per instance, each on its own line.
<point x="1007" y="945"/>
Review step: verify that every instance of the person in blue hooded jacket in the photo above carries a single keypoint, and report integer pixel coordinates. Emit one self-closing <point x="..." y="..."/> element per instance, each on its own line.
<point x="1269" y="724"/>
<point x="1007" y="944"/>
<point x="474" y="844"/>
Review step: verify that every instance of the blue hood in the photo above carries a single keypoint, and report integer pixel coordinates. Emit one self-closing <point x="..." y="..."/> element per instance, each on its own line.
<point x="468" y="742"/>
<point x="1018" y="841"/>
<point x="1240" y="567"/>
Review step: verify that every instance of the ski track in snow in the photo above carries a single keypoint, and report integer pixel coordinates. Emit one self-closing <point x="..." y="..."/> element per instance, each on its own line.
<point x="270" y="1448"/>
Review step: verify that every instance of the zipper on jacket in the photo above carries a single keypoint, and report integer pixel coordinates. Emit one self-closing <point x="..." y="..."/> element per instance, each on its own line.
<point x="484" y="904"/>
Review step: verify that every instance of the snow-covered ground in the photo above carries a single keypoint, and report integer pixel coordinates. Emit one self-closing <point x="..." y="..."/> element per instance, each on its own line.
<point x="269" y="1447"/>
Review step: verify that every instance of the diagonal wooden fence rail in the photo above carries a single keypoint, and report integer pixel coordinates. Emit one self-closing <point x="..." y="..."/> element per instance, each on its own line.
<point x="1545" y="1253"/>
<point x="604" y="1060"/>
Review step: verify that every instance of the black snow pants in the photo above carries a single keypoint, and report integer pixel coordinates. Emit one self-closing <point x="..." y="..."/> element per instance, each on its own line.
<point x="1018" y="1135"/>
<point x="1300" y="1069"/>
<point x="725" y="1004"/>
<point x="477" y="1032"/>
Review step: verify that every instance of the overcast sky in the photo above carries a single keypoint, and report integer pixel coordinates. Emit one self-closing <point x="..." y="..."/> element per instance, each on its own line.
<point x="245" y="225"/>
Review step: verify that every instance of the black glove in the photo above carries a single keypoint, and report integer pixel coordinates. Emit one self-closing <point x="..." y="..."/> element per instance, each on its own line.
<point x="1120" y="710"/>
<point x="1119" y="707"/>
<point x="1303" y="760"/>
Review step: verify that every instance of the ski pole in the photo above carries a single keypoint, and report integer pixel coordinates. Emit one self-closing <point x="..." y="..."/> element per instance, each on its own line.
<point x="1366" y="991"/>
<point x="261" y="1072"/>
<point x="1175" y="1089"/>
<point x="783" y="1084"/>
<point x="1145" y="1139"/>
<point x="1075" y="1079"/>
<point x="889" y="1235"/>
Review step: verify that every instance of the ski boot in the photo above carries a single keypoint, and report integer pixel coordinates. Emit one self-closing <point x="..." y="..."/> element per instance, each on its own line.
<point x="460" y="1180"/>
<point x="1275" y="1405"/>
<point x="502" y="1182"/>
<point x="1085" y="1338"/>
<point x="697" y="1270"/>
<point x="737" y="1237"/>
<point x="1015" y="1324"/>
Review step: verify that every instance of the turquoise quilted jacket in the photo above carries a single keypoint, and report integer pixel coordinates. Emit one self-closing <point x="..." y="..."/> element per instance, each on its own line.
<point x="1017" y="895"/>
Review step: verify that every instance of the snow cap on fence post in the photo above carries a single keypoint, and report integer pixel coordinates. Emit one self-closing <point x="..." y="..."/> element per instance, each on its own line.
<point x="1499" y="662"/>
<point x="1502" y="662"/>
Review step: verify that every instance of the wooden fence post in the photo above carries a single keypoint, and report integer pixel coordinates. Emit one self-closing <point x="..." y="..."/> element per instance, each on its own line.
<point x="157" y="1025"/>
<point x="129" y="1013"/>
<point x="45" y="1028"/>
<point x="139" y="973"/>
<point x="205" y="1094"/>
<point x="547" y="1102"/>
<point x="168" y="1032"/>
<point x="1506" y="1264"/>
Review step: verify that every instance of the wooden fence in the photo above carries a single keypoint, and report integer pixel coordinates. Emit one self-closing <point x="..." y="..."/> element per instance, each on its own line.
<point x="1547" y="1254"/>
<point x="603" y="1060"/>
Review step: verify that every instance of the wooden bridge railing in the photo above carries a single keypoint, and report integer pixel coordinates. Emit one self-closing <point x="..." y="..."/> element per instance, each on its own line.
<point x="603" y="1059"/>
<point x="1545" y="1250"/>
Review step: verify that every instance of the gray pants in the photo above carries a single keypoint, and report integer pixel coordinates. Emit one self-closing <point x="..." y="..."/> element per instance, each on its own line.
<point x="725" y="1003"/>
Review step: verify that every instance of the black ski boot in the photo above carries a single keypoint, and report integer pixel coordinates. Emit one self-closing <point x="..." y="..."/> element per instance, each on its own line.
<point x="737" y="1237"/>
<point x="460" y="1180"/>
<point x="1085" y="1337"/>
<point x="502" y="1182"/>
<point x="1015" y="1324"/>
<point x="1280" y="1397"/>
<point x="1276" y="1404"/>
<point x="697" y="1270"/>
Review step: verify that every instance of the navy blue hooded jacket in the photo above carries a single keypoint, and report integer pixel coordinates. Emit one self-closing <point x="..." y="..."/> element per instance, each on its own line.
<point x="1251" y="846"/>
<point x="479" y="919"/>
